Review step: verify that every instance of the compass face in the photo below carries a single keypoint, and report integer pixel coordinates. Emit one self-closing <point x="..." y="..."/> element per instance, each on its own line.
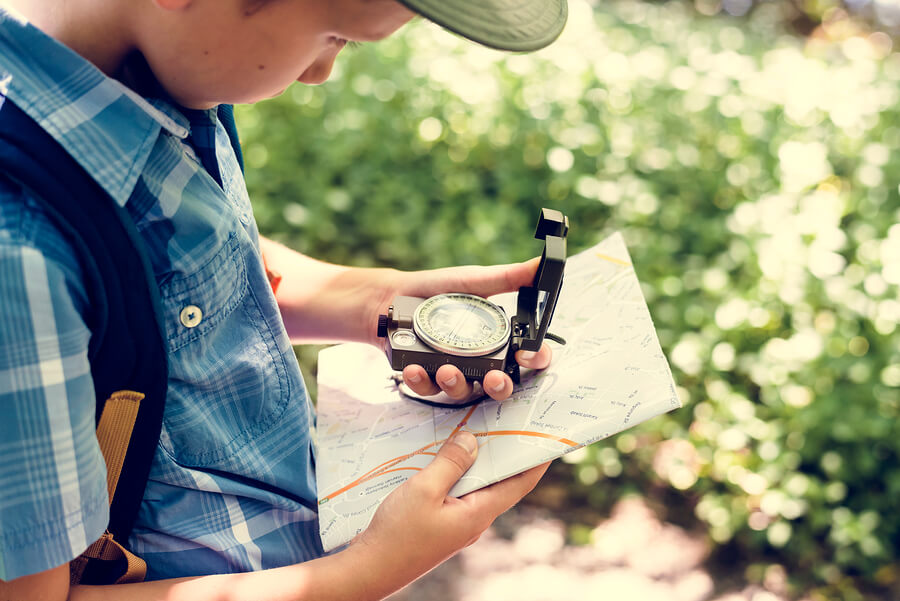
<point x="461" y="324"/>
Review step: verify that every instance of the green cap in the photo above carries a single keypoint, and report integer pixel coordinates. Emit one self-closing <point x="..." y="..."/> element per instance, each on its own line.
<point x="517" y="25"/>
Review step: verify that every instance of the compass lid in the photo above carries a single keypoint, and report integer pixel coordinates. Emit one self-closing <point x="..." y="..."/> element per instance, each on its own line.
<point x="536" y="303"/>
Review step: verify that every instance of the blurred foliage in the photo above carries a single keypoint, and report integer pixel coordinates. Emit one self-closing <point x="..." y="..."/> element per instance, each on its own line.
<point x="808" y="16"/>
<point x="754" y="175"/>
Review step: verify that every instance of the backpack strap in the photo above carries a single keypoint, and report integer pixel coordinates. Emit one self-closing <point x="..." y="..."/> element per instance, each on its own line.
<point x="225" y="112"/>
<point x="126" y="350"/>
<point x="106" y="560"/>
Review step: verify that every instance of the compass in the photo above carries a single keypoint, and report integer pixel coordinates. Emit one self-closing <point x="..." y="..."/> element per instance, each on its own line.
<point x="471" y="332"/>
<point x="462" y="325"/>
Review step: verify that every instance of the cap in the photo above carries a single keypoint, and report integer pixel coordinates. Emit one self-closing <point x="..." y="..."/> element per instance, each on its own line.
<point x="517" y="25"/>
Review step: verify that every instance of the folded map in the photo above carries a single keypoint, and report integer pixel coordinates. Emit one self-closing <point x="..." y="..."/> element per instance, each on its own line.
<point x="610" y="376"/>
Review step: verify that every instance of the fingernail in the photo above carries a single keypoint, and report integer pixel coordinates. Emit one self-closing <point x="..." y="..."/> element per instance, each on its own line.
<point x="467" y="441"/>
<point x="451" y="381"/>
<point x="527" y="355"/>
<point x="498" y="387"/>
<point x="414" y="378"/>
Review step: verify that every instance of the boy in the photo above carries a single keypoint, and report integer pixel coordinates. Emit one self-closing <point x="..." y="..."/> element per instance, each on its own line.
<point x="129" y="89"/>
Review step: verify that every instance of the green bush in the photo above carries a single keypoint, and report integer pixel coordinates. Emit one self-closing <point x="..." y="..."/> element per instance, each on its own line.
<point x="753" y="177"/>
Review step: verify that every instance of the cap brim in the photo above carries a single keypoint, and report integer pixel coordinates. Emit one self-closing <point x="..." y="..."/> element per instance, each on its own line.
<point x="516" y="25"/>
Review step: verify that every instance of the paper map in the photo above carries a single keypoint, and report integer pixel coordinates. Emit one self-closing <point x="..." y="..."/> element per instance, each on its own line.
<point x="610" y="376"/>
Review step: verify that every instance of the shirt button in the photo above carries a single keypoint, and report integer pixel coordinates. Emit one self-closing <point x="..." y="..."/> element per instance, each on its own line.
<point x="191" y="316"/>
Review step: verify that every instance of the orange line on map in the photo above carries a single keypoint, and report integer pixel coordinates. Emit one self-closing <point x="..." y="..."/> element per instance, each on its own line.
<point x="396" y="460"/>
<point x="380" y="469"/>
<point x="464" y="421"/>
<point x="398" y="469"/>
<point x="614" y="260"/>
<point x="387" y="466"/>
<point x="383" y="469"/>
<point x="571" y="443"/>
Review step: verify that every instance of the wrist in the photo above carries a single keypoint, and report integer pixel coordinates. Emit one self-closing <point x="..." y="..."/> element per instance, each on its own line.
<point x="375" y="570"/>
<point x="326" y="303"/>
<point x="378" y="292"/>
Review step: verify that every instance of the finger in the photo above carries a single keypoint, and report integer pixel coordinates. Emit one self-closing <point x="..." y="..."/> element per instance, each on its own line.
<point x="497" y="385"/>
<point x="538" y="360"/>
<point x="500" y="496"/>
<point x="452" y="381"/>
<point x="483" y="281"/>
<point x="454" y="458"/>
<point x="417" y="378"/>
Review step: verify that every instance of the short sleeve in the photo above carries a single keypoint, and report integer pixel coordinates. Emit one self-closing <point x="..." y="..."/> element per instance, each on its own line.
<point x="53" y="500"/>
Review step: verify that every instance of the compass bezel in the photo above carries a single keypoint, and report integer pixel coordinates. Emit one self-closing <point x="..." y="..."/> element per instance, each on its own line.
<point x="495" y="341"/>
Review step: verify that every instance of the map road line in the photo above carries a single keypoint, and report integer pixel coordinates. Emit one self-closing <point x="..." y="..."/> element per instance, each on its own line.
<point x="571" y="443"/>
<point x="613" y="260"/>
<point x="372" y="473"/>
<point x="387" y="465"/>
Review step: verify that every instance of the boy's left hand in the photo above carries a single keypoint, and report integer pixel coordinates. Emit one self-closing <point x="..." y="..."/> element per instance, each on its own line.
<point x="482" y="281"/>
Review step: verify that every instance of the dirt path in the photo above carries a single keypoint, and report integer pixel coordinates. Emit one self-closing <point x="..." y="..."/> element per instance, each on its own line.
<point x="524" y="557"/>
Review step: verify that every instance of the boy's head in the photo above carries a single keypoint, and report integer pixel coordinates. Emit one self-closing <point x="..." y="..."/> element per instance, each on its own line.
<point x="206" y="52"/>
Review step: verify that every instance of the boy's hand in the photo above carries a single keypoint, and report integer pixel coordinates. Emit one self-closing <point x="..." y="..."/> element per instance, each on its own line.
<point x="418" y="526"/>
<point x="449" y="379"/>
<point x="483" y="281"/>
<point x="325" y="303"/>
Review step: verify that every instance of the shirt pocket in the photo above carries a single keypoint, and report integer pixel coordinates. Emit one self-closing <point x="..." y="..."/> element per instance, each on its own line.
<point x="228" y="382"/>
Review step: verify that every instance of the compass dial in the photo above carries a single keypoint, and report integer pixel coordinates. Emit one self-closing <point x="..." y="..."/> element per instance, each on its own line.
<point x="461" y="324"/>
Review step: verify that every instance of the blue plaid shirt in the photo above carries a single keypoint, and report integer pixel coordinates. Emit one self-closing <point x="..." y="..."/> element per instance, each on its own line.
<point x="232" y="486"/>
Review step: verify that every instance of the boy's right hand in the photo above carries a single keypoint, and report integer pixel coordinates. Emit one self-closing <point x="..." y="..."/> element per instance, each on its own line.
<point x="418" y="526"/>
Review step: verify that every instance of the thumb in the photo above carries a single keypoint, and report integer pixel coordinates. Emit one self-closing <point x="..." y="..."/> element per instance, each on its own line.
<point x="501" y="278"/>
<point x="452" y="461"/>
<point x="473" y="279"/>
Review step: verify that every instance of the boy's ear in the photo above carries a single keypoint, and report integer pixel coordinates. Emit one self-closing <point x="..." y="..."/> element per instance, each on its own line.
<point x="172" y="4"/>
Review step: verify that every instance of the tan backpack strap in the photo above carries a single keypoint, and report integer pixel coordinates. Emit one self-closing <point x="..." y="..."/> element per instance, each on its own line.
<point x="113" y="435"/>
<point x="108" y="550"/>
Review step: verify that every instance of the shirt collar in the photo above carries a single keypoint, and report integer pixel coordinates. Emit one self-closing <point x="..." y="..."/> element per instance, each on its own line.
<point x="106" y="127"/>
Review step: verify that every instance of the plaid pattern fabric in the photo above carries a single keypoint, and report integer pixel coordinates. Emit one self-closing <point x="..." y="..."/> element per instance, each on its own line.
<point x="232" y="486"/>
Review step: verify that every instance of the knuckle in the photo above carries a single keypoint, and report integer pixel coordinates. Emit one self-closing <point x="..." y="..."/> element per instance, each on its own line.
<point x="456" y="456"/>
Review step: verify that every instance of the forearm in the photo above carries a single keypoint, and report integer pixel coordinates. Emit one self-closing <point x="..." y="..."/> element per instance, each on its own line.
<point x="322" y="302"/>
<point x="351" y="575"/>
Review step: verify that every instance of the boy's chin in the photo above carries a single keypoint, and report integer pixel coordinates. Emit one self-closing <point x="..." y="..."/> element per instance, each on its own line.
<point x="315" y="75"/>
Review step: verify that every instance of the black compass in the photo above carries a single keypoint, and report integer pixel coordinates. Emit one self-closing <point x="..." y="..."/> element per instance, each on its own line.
<point x="471" y="332"/>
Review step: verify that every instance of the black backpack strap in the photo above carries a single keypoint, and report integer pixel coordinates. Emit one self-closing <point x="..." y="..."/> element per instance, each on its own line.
<point x="127" y="350"/>
<point x="225" y="113"/>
